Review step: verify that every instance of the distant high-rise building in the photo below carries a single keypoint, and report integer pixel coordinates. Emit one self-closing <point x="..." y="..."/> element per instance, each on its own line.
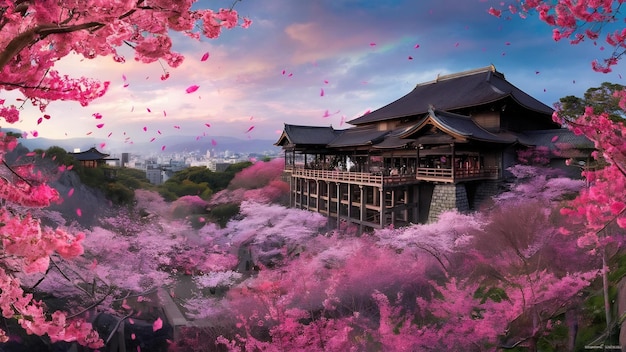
<point x="125" y="158"/>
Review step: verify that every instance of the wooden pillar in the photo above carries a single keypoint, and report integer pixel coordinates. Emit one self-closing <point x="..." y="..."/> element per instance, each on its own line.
<point x="349" y="212"/>
<point x="362" y="209"/>
<point x="328" y="200"/>
<point x="338" y="203"/>
<point x="393" y="208"/>
<point x="319" y="199"/>
<point x="382" y="207"/>
<point x="308" y="193"/>
<point x="453" y="163"/>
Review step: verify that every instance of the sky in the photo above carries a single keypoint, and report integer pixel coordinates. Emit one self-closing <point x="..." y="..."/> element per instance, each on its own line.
<point x="318" y="63"/>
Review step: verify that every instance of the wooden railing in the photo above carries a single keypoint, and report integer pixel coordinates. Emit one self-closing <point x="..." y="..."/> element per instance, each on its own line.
<point x="422" y="174"/>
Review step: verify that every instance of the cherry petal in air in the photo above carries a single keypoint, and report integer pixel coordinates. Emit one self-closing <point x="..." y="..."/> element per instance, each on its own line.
<point x="192" y="89"/>
<point x="162" y="148"/>
<point x="79" y="212"/>
<point x="322" y="92"/>
<point x="157" y="325"/>
<point x="145" y="128"/>
<point x="39" y="120"/>
<point x="102" y="145"/>
<point x="100" y="125"/>
<point x="70" y="192"/>
<point x="213" y="142"/>
<point x="97" y="115"/>
<point x="207" y="124"/>
<point x="148" y="109"/>
<point x="46" y="116"/>
<point x="177" y="127"/>
<point x="205" y="56"/>
<point x="250" y="129"/>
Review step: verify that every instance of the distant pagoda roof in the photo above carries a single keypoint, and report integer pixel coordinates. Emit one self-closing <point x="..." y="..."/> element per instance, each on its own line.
<point x="91" y="154"/>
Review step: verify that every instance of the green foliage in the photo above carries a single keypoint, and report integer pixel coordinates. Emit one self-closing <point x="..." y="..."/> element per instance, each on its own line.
<point x="600" y="98"/>
<point x="495" y="294"/>
<point x="221" y="214"/>
<point x="118" y="193"/>
<point x="235" y="168"/>
<point x="200" y="181"/>
<point x="133" y="178"/>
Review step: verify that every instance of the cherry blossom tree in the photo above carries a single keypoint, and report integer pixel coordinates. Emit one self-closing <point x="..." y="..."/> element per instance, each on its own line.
<point x="34" y="36"/>
<point x="577" y="21"/>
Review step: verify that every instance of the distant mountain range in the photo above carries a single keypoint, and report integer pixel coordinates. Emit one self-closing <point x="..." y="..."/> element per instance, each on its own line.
<point x="172" y="144"/>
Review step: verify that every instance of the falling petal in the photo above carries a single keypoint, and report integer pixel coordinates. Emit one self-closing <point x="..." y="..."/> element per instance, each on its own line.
<point x="132" y="109"/>
<point x="192" y="89"/>
<point x="177" y="127"/>
<point x="102" y="145"/>
<point x="325" y="81"/>
<point x="250" y="129"/>
<point x="152" y="140"/>
<point x="213" y="142"/>
<point x="507" y="43"/>
<point x="97" y="115"/>
<point x="70" y="192"/>
<point x="93" y="264"/>
<point x="125" y="85"/>
<point x="207" y="124"/>
<point x="410" y="57"/>
<point x="251" y="117"/>
<point x="145" y="128"/>
<point x="110" y="133"/>
<point x="148" y="109"/>
<point x="46" y="116"/>
<point x="159" y="131"/>
<point x="417" y="46"/>
<point x="322" y="92"/>
<point x="79" y="212"/>
<point x="536" y="72"/>
<point x="124" y="77"/>
<point x="162" y="148"/>
<point x="372" y="44"/>
<point x="132" y="336"/>
<point x="555" y="138"/>
<point x="457" y="44"/>
<point x="291" y="74"/>
<point x="205" y="56"/>
<point x="35" y="133"/>
<point x="326" y="114"/>
<point x="164" y="113"/>
<point x="284" y="72"/>
<point x="100" y="125"/>
<point x="39" y="120"/>
<point x="157" y="325"/>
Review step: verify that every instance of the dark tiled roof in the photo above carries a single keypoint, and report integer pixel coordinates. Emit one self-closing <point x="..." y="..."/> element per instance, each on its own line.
<point x="91" y="154"/>
<point x="307" y="135"/>
<point x="358" y="136"/>
<point x="452" y="92"/>
<point x="458" y="124"/>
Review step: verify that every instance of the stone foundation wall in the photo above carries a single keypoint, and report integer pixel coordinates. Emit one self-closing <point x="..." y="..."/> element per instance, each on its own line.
<point x="448" y="197"/>
<point x="484" y="192"/>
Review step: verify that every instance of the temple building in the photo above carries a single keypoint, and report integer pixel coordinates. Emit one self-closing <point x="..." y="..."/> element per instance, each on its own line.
<point x="444" y="145"/>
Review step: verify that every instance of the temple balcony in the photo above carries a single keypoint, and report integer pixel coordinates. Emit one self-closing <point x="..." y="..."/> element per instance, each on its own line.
<point x="378" y="179"/>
